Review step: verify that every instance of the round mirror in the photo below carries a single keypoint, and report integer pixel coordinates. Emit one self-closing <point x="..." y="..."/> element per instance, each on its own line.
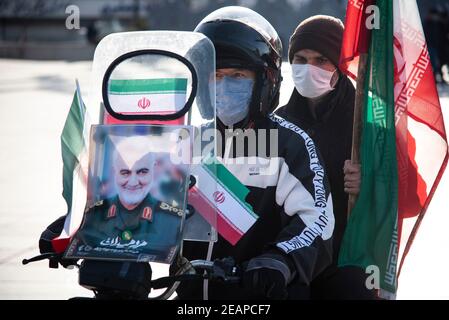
<point x="149" y="85"/>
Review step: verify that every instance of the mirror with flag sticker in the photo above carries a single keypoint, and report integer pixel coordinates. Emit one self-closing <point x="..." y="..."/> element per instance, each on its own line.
<point x="149" y="85"/>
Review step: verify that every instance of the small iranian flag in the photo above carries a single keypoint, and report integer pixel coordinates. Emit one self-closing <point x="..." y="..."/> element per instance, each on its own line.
<point x="404" y="149"/>
<point x="147" y="96"/>
<point x="220" y="198"/>
<point x="74" y="139"/>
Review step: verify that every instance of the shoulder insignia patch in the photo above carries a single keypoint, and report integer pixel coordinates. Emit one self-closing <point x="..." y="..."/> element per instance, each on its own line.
<point x="165" y="206"/>
<point x="147" y="214"/>
<point x="112" y="211"/>
<point x="96" y="204"/>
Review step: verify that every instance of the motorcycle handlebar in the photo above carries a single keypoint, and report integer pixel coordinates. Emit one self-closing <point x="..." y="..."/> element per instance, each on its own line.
<point x="40" y="257"/>
<point x="224" y="269"/>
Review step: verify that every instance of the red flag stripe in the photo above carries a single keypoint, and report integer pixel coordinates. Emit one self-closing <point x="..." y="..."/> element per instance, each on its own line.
<point x="356" y="36"/>
<point x="214" y="216"/>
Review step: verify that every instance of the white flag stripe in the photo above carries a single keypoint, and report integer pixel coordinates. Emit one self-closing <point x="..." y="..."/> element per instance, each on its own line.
<point x="231" y="208"/>
<point x="212" y="204"/>
<point x="234" y="210"/>
<point x="147" y="103"/>
<point x="416" y="100"/>
<point x="79" y="177"/>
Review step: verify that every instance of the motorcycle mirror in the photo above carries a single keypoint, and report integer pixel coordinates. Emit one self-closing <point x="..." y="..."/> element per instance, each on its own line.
<point x="149" y="85"/>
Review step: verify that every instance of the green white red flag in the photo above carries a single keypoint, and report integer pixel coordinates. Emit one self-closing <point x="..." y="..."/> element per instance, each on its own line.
<point x="220" y="198"/>
<point x="148" y="96"/>
<point x="404" y="148"/>
<point x="74" y="139"/>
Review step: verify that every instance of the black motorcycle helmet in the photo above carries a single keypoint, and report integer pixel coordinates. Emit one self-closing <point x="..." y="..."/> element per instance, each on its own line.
<point x="244" y="39"/>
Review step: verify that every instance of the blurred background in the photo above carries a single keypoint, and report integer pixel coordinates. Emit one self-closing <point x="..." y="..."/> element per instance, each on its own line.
<point x="34" y="29"/>
<point x="43" y="51"/>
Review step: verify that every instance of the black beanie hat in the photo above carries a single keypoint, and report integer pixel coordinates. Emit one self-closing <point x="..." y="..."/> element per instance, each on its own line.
<point x="320" y="33"/>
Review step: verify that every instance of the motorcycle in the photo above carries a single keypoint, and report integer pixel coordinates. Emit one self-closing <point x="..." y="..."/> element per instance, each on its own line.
<point x="152" y="97"/>
<point x="132" y="281"/>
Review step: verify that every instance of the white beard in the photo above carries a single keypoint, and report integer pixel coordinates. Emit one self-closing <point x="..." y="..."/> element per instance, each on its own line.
<point x="132" y="197"/>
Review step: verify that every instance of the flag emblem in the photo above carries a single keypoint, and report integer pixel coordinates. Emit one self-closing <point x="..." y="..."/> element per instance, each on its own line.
<point x="219" y="197"/>
<point x="143" y="103"/>
<point x="403" y="150"/>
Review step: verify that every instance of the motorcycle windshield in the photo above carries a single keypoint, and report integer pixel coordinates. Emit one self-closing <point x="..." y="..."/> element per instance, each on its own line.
<point x="165" y="77"/>
<point x="163" y="80"/>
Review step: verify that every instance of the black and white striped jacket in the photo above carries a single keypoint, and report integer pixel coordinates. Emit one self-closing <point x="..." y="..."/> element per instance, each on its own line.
<point x="291" y="195"/>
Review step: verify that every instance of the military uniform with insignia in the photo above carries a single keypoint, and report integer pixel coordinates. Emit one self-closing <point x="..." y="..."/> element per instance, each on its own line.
<point x="154" y="222"/>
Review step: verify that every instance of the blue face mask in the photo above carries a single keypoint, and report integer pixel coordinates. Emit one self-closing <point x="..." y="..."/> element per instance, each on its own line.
<point x="233" y="98"/>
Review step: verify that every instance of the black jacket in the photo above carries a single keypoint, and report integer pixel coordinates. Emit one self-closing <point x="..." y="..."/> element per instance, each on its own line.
<point x="294" y="206"/>
<point x="331" y="131"/>
<point x="291" y="194"/>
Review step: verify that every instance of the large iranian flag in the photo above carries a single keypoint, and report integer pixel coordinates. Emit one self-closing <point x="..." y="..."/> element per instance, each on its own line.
<point x="404" y="147"/>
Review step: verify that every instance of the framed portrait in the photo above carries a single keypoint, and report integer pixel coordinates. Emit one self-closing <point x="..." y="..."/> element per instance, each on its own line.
<point x="137" y="193"/>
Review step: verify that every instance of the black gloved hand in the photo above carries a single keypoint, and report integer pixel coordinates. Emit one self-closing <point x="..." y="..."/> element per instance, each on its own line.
<point x="52" y="231"/>
<point x="266" y="277"/>
<point x="45" y="246"/>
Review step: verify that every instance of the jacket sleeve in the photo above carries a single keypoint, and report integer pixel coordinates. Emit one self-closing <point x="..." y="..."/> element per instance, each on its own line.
<point x="303" y="195"/>
<point x="51" y="232"/>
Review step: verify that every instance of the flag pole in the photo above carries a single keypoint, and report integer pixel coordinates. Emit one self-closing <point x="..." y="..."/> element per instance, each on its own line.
<point x="357" y="122"/>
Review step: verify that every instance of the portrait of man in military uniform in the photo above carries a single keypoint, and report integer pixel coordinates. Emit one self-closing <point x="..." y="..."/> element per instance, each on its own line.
<point x="132" y="223"/>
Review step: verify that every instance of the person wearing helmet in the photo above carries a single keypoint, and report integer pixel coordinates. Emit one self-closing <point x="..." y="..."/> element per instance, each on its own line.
<point x="291" y="242"/>
<point x="322" y="103"/>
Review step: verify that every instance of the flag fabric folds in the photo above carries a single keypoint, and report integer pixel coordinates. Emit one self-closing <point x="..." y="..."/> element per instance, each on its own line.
<point x="404" y="147"/>
<point x="74" y="157"/>
<point x="220" y="198"/>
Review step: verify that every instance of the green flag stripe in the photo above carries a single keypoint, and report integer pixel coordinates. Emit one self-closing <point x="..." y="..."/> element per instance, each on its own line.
<point x="148" y="85"/>
<point x="370" y="233"/>
<point x="72" y="143"/>
<point x="129" y="93"/>
<point x="228" y="181"/>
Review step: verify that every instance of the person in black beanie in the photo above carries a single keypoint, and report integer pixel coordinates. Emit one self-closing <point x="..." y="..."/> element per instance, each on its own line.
<point x="322" y="103"/>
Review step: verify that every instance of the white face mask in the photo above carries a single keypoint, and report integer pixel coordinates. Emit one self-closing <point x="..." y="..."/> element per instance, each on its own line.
<point x="311" y="81"/>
